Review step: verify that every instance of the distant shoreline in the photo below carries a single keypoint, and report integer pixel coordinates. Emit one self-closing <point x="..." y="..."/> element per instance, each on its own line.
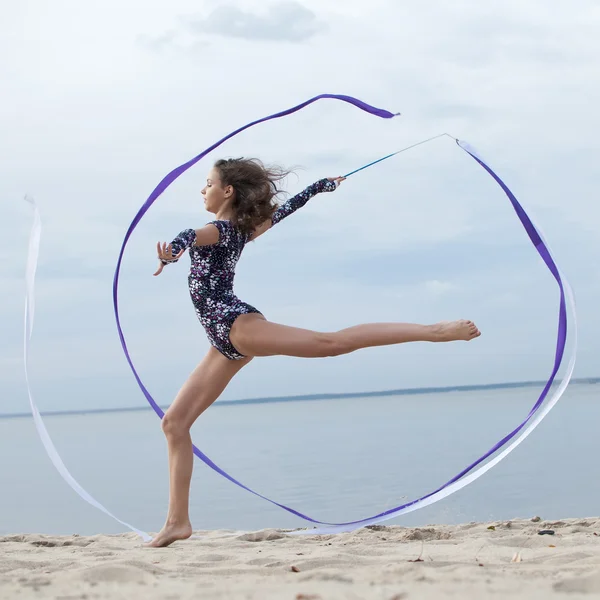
<point x="314" y="397"/>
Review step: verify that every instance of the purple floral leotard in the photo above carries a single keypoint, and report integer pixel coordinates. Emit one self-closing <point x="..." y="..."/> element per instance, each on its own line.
<point x="213" y="269"/>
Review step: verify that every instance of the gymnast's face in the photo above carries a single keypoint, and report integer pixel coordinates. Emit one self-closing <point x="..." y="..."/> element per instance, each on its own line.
<point x="216" y="196"/>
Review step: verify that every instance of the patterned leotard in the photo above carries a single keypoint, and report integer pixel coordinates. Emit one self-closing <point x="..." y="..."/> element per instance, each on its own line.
<point x="213" y="269"/>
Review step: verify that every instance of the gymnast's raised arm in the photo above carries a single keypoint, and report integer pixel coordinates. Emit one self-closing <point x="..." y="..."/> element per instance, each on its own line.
<point x="329" y="184"/>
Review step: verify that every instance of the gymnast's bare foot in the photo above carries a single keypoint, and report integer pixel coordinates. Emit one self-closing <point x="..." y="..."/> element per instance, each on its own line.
<point x="171" y="533"/>
<point x="450" y="331"/>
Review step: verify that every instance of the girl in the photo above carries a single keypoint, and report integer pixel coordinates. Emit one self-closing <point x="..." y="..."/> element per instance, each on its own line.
<point x="241" y="193"/>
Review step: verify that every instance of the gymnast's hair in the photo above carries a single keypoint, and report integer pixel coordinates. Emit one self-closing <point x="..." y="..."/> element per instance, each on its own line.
<point x="256" y="190"/>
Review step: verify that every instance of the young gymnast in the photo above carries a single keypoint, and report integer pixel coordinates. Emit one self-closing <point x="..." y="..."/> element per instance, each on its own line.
<point x="241" y="194"/>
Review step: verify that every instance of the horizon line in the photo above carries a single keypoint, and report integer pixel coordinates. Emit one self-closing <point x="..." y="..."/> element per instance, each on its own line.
<point x="313" y="397"/>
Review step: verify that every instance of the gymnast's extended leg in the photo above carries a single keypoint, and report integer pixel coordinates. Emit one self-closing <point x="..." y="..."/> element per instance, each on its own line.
<point x="253" y="335"/>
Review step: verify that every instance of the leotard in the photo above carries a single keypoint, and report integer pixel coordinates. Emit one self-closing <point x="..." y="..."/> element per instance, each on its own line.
<point x="212" y="271"/>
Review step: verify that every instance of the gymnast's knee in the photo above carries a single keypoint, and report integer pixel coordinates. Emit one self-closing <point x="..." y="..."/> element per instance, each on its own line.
<point x="331" y="344"/>
<point x="174" y="426"/>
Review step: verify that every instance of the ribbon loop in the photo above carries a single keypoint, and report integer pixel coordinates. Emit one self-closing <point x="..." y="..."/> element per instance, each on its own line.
<point x="472" y="472"/>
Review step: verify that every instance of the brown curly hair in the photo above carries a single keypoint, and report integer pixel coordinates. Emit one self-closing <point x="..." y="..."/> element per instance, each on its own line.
<point x="255" y="188"/>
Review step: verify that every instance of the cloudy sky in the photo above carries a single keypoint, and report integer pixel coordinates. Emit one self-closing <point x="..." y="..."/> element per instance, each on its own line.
<point x="101" y="99"/>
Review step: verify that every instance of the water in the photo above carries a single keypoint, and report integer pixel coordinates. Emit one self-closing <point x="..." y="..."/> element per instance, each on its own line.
<point x="336" y="460"/>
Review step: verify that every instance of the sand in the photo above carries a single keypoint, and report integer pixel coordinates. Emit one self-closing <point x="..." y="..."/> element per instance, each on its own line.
<point x="476" y="560"/>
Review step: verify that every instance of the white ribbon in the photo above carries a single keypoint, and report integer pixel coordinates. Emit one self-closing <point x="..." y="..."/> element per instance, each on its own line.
<point x="32" y="260"/>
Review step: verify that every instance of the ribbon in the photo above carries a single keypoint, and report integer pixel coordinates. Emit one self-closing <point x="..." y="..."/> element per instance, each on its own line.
<point x="472" y="472"/>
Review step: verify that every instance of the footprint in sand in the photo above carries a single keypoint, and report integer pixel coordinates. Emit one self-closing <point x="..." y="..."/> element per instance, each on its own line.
<point x="267" y="561"/>
<point x="60" y="543"/>
<point x="268" y="535"/>
<point x="427" y="534"/>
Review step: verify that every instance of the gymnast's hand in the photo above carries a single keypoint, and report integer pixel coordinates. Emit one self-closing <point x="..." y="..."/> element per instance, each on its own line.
<point x="165" y="252"/>
<point x="337" y="180"/>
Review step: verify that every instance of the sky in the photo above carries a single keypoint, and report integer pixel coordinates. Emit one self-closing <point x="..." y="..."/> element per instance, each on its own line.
<point x="101" y="100"/>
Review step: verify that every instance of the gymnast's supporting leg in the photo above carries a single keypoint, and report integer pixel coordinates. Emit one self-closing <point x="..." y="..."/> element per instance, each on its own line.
<point x="253" y="335"/>
<point x="203" y="387"/>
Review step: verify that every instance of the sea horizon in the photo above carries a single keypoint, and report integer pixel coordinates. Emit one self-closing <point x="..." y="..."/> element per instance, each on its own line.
<point x="317" y="396"/>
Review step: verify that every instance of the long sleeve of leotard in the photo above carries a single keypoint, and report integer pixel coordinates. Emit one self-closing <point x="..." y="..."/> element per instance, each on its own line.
<point x="298" y="201"/>
<point x="184" y="240"/>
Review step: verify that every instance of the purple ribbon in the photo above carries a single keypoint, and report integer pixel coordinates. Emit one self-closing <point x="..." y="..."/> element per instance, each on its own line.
<point x="521" y="214"/>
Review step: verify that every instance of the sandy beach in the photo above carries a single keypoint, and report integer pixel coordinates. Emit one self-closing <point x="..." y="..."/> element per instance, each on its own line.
<point x="475" y="560"/>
